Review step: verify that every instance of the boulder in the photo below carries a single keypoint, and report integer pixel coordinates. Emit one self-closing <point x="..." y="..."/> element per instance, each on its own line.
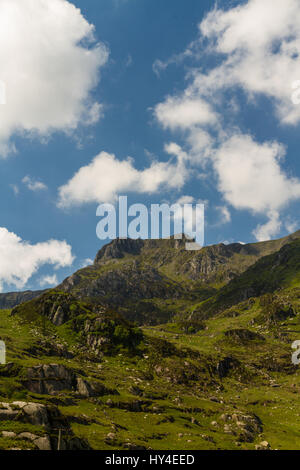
<point x="50" y="379"/>
<point x="37" y="414"/>
<point x="43" y="443"/>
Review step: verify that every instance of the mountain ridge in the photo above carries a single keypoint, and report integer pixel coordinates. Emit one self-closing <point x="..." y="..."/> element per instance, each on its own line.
<point x="208" y="364"/>
<point x="213" y="263"/>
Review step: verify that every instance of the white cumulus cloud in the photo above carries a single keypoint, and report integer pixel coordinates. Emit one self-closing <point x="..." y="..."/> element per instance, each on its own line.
<point x="50" y="62"/>
<point x="259" y="42"/>
<point x="254" y="47"/>
<point x="106" y="177"/>
<point x="19" y="259"/>
<point x="250" y="175"/>
<point x="184" y="112"/>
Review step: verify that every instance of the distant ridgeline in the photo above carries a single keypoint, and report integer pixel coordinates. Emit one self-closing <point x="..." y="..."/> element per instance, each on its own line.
<point x="11" y="299"/>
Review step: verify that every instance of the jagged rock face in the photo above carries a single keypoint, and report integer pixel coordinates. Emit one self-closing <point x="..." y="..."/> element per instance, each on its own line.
<point x="204" y="262"/>
<point x="51" y="379"/>
<point x="47" y="417"/>
<point x="58" y="317"/>
<point x="132" y="282"/>
<point x="205" y="266"/>
<point x="211" y="262"/>
<point x="216" y="263"/>
<point x="118" y="278"/>
<point x="144" y="278"/>
<point x="137" y="285"/>
<point x="117" y="248"/>
<point x="263" y="277"/>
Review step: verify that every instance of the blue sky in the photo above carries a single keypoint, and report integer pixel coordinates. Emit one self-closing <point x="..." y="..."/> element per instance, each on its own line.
<point x="207" y="110"/>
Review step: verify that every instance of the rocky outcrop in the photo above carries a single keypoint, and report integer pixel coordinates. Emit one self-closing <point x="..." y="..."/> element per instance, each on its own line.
<point x="32" y="413"/>
<point x="245" y="426"/>
<point x="135" y="277"/>
<point x="48" y="418"/>
<point x="52" y="379"/>
<point x="117" y="286"/>
<point x="118" y="248"/>
<point x="215" y="262"/>
<point x="87" y="389"/>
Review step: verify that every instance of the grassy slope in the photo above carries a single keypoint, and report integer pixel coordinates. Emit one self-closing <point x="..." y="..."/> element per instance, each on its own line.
<point x="175" y="415"/>
<point x="278" y="270"/>
<point x="181" y="399"/>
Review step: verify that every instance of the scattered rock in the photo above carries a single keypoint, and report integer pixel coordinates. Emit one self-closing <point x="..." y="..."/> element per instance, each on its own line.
<point x="43" y="443"/>
<point x="8" y="434"/>
<point x="264" y="445"/>
<point x="27" y="435"/>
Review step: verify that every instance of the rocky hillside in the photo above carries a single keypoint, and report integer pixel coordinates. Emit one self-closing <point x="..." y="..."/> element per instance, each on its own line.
<point x="209" y="366"/>
<point x="150" y="281"/>
<point x="279" y="270"/>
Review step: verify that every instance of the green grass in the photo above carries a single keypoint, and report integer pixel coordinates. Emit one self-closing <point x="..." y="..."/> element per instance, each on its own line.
<point x="170" y="392"/>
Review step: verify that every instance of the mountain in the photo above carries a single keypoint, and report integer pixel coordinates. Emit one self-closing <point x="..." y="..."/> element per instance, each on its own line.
<point x="279" y="270"/>
<point x="11" y="299"/>
<point x="206" y="365"/>
<point x="150" y="281"/>
<point x="214" y="265"/>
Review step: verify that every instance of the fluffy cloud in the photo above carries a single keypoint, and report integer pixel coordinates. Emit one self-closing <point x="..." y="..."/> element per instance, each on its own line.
<point x="250" y="175"/>
<point x="49" y="281"/>
<point x="106" y="177"/>
<point x="184" y="112"/>
<point x="256" y="48"/>
<point x="257" y="54"/>
<point x="269" y="229"/>
<point x="260" y="40"/>
<point x="55" y="65"/>
<point x="19" y="259"/>
<point x="33" y="185"/>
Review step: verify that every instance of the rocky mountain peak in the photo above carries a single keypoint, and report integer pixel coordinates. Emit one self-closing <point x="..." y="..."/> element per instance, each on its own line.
<point x="118" y="248"/>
